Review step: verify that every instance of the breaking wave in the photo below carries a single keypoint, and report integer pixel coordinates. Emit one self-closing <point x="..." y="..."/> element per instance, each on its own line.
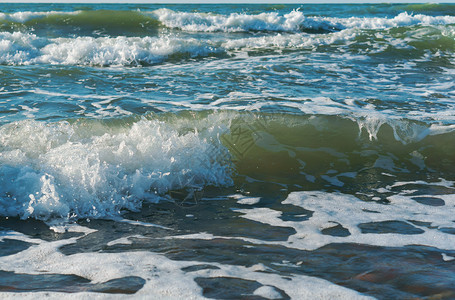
<point x="295" y="21"/>
<point x="92" y="168"/>
<point x="147" y="22"/>
<point x="26" y="48"/>
<point x="22" y="48"/>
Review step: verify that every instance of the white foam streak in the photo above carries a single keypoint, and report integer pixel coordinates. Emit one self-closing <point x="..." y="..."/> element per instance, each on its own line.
<point x="402" y="20"/>
<point x="296" y="41"/>
<point x="164" y="278"/>
<point x="331" y="209"/>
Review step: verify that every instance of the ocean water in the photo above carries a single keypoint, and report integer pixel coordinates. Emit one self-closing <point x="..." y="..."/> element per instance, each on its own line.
<point x="227" y="151"/>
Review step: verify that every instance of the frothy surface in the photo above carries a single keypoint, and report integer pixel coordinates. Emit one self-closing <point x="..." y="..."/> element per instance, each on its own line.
<point x="227" y="151"/>
<point x="91" y="169"/>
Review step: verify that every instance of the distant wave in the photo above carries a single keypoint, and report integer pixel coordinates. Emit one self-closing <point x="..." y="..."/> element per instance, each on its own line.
<point x="129" y="22"/>
<point x="294" y="21"/>
<point x="25" y="48"/>
<point x="447" y="9"/>
<point x="135" y="38"/>
<point x="124" y="19"/>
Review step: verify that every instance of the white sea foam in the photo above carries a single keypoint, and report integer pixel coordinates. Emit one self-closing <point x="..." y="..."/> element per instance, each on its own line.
<point x="402" y="20"/>
<point x="164" y="278"/>
<point x="331" y="209"/>
<point x="241" y="199"/>
<point x="120" y="50"/>
<point x="292" y="41"/>
<point x="21" y="48"/>
<point x="446" y="257"/>
<point x="267" y="292"/>
<point x="92" y="169"/>
<point x="26" y="48"/>
<point x="58" y="170"/>
<point x="236" y="22"/>
<point x="24" y="16"/>
<point x="293" y="21"/>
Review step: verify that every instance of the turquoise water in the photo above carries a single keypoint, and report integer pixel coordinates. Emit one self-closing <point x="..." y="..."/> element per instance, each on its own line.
<point x="227" y="151"/>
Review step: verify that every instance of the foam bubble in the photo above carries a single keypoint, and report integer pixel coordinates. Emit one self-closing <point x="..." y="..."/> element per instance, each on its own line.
<point x="268" y="292"/>
<point x="446" y="257"/>
<point x="124" y="240"/>
<point x="245" y="200"/>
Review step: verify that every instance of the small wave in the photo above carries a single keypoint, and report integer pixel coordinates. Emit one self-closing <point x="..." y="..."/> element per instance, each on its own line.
<point x="291" y="41"/>
<point x="98" y="23"/>
<point x="25" y="16"/>
<point x="402" y="20"/>
<point x="428" y="8"/>
<point x="294" y="21"/>
<point x="26" y="48"/>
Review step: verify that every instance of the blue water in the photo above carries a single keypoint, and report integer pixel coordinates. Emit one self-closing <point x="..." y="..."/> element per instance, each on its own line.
<point x="242" y="150"/>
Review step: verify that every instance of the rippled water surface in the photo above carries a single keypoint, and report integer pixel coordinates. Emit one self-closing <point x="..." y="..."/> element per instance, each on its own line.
<point x="227" y="151"/>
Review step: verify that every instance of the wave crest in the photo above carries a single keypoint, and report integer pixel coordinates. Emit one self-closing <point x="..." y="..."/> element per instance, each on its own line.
<point x="148" y="22"/>
<point x="91" y="168"/>
<point x="26" y="49"/>
<point x="95" y="169"/>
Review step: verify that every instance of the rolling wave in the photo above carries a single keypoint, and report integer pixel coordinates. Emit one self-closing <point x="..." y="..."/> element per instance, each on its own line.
<point x="97" y="23"/>
<point x="26" y="49"/>
<point x="135" y="38"/>
<point x="148" y="22"/>
<point x="295" y="21"/>
<point x="23" y="48"/>
<point x="428" y="8"/>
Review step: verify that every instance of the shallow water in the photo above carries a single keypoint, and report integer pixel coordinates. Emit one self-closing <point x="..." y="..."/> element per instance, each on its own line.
<point x="227" y="151"/>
